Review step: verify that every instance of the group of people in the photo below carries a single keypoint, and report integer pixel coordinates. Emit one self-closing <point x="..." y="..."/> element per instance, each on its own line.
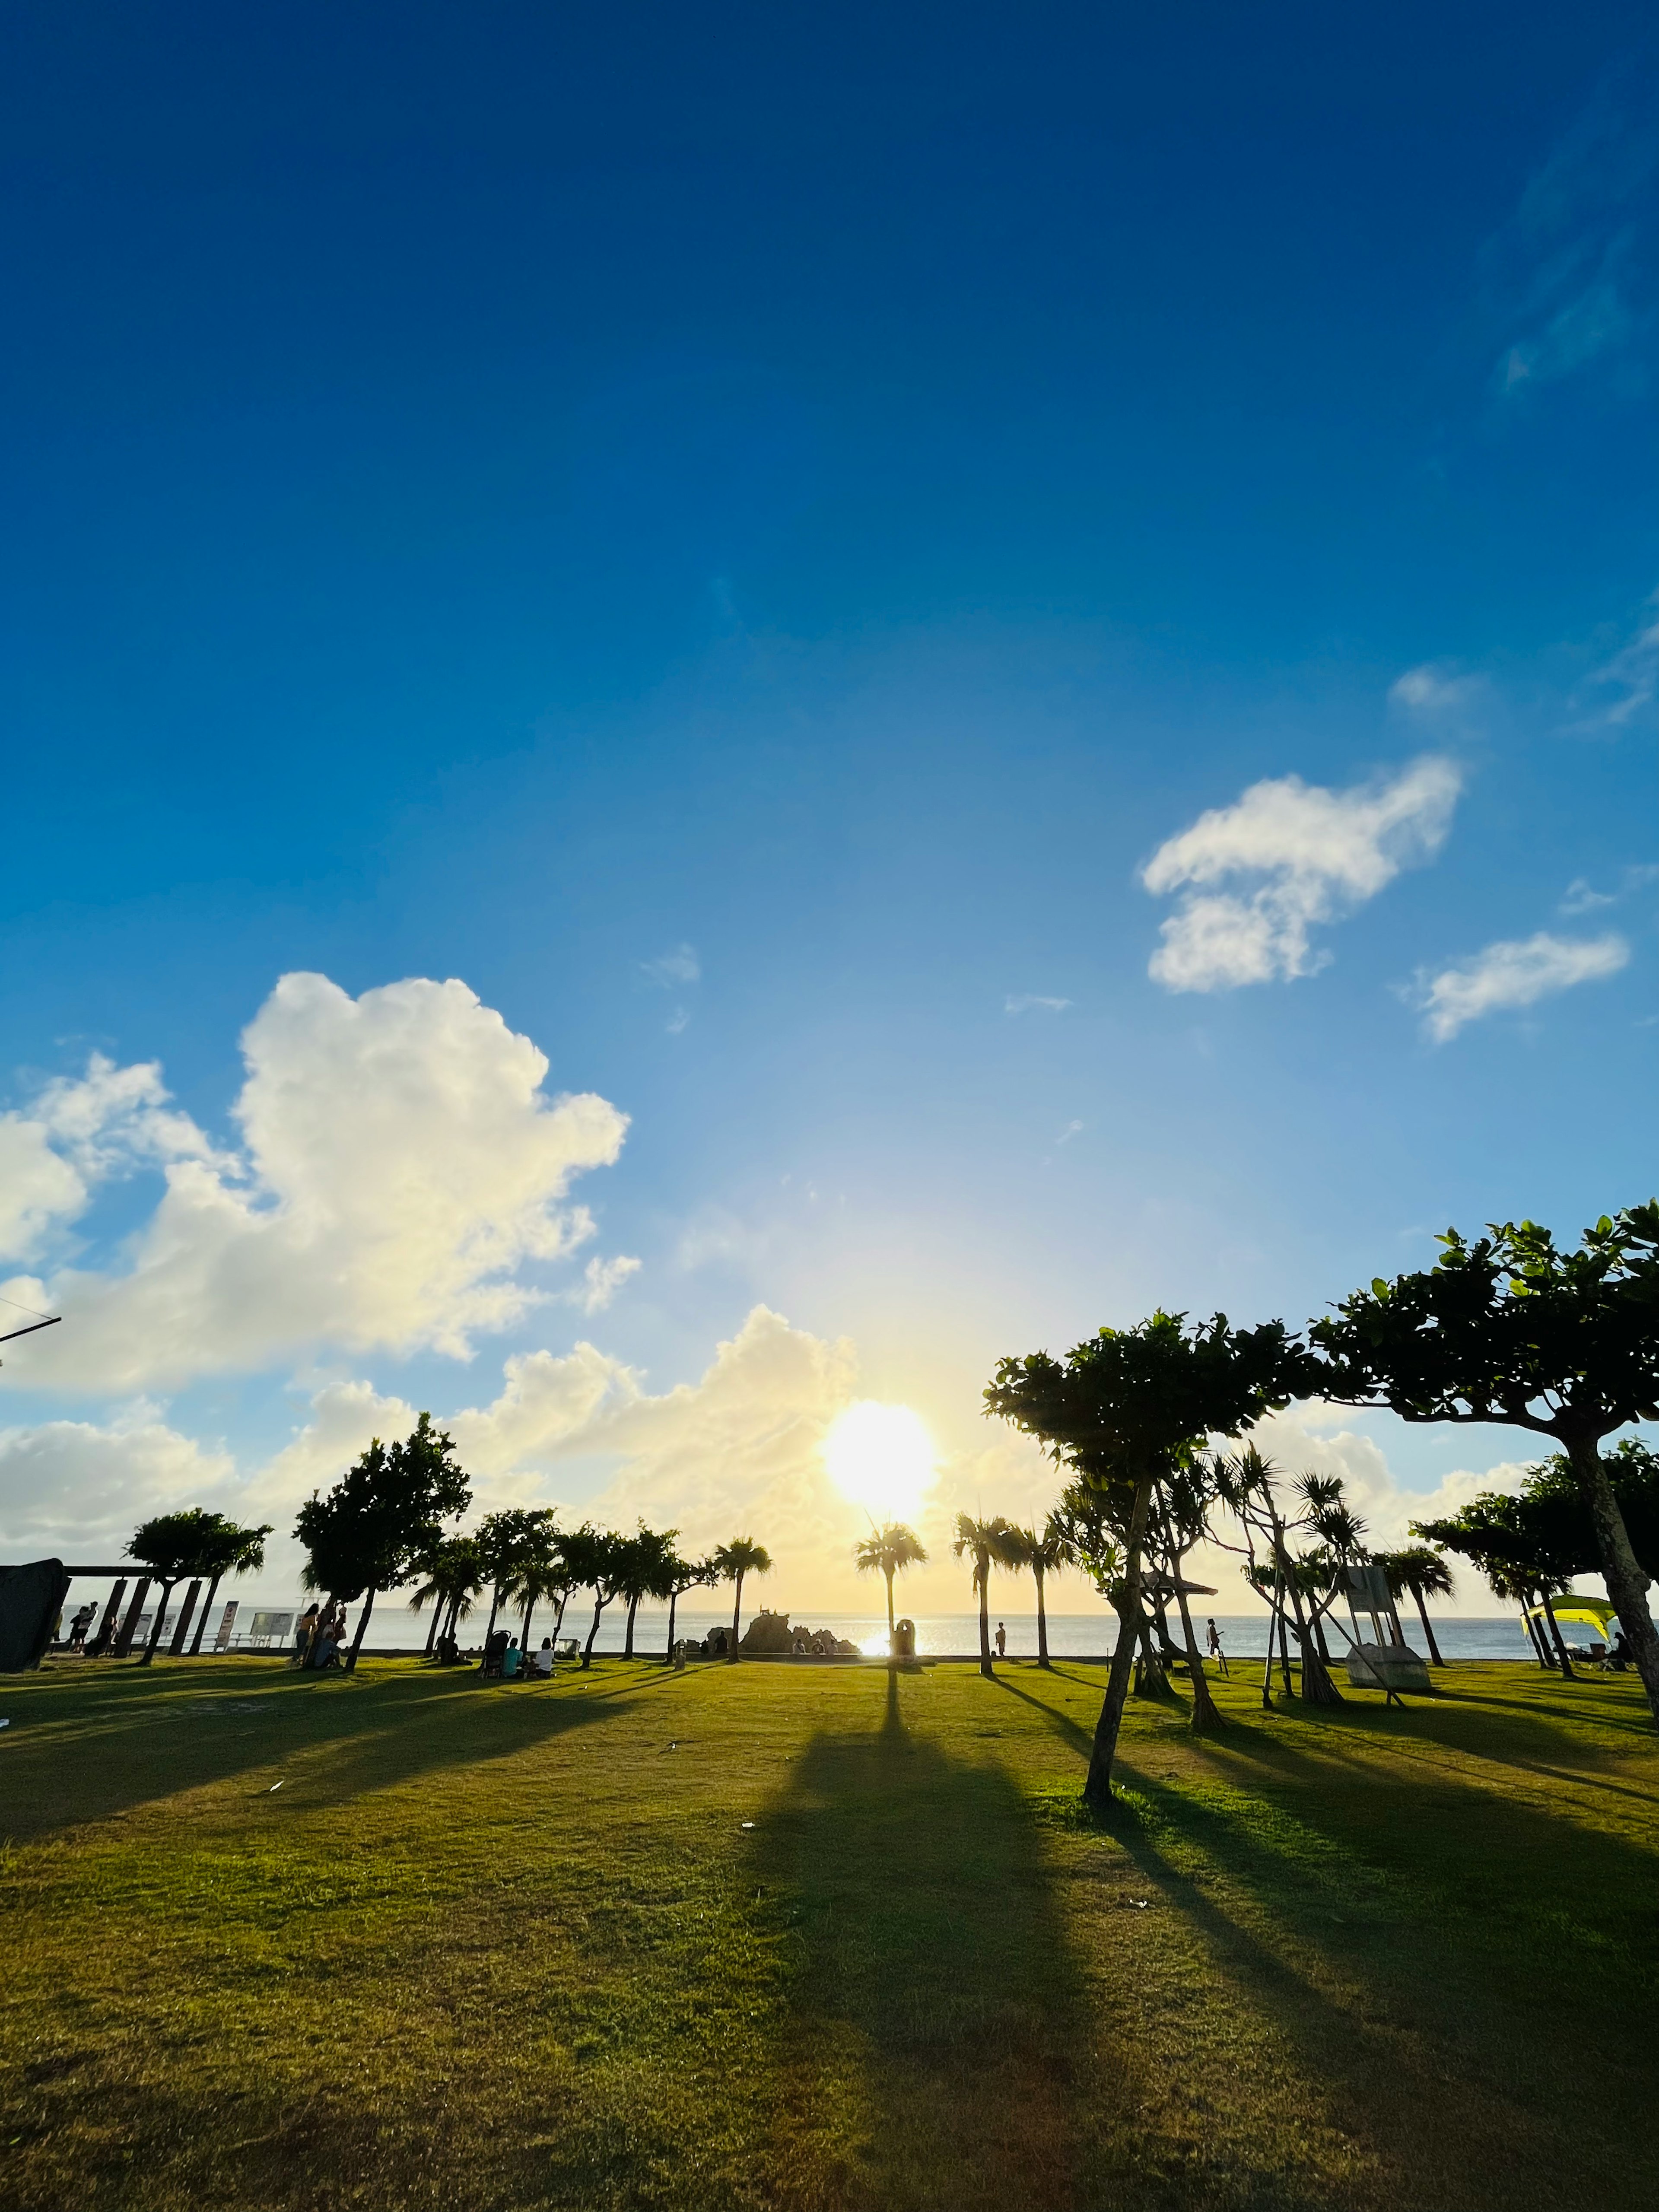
<point x="320" y="1635"/>
<point x="503" y="1657"/>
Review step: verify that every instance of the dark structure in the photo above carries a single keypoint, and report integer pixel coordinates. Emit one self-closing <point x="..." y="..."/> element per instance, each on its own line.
<point x="31" y="1599"/>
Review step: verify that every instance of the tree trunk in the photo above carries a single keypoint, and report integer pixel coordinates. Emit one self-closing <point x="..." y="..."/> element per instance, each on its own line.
<point x="1205" y="1712"/>
<point x="1535" y="1635"/>
<point x="207" y="1608"/>
<point x="982" y="1577"/>
<point x="891" y="1624"/>
<point x="107" y="1627"/>
<point x="1317" y="1686"/>
<point x="599" y="1604"/>
<point x="1561" y="1653"/>
<point x="128" y="1627"/>
<point x="627" y="1641"/>
<point x="524" y="1631"/>
<point x="1627" y="1582"/>
<point x="1097" y="1788"/>
<point x="176" y="1649"/>
<point x="1435" y="1660"/>
<point x="439" y="1609"/>
<point x="1042" y="1618"/>
<point x="1154" y="1683"/>
<point x="736" y="1615"/>
<point x="357" y="1640"/>
<point x="673" y="1607"/>
<point x="156" y="1626"/>
<point x="558" y="1618"/>
<point x="495" y="1608"/>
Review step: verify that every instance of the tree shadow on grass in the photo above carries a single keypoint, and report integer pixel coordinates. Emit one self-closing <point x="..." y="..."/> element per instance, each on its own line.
<point x="1413" y="1956"/>
<point x="107" y="1748"/>
<point x="933" y="2005"/>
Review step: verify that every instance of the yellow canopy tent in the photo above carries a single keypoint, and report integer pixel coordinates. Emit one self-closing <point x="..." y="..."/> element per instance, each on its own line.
<point x="1595" y="1611"/>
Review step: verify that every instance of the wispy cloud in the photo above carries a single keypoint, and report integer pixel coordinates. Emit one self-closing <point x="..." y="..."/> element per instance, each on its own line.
<point x="1582" y="896"/>
<point x="1569" y="280"/>
<point x="681" y="966"/>
<point x="1315" y="854"/>
<point x="1031" y="1002"/>
<point x="1511" y="975"/>
<point x="1631" y="676"/>
<point x="1071" y="1129"/>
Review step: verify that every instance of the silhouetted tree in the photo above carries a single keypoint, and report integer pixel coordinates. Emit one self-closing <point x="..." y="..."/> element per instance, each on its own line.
<point x="982" y="1541"/>
<point x="742" y="1556"/>
<point x="888" y="1551"/>
<point x="1129" y="1405"/>
<point x="1509" y="1329"/>
<point x="1421" y="1572"/>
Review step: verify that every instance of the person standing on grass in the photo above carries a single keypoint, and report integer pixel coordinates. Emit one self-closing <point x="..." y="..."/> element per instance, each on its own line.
<point x="1002" y="1641"/>
<point x="1212" y="1636"/>
<point x="304" y="1629"/>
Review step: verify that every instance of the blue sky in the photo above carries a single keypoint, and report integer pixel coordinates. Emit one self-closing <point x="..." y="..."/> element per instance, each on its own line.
<point x="740" y="541"/>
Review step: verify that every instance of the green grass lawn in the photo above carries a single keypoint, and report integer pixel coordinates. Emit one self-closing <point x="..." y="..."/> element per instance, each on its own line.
<point x="492" y="1946"/>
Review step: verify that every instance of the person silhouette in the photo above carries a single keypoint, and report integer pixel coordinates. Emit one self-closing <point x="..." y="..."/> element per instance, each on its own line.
<point x="1002" y="1641"/>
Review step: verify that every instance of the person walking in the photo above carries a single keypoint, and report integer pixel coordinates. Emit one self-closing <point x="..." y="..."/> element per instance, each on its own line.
<point x="1002" y="1641"/>
<point x="1212" y="1636"/>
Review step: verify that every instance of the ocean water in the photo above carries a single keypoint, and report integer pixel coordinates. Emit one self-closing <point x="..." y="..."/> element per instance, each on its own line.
<point x="1071" y="1635"/>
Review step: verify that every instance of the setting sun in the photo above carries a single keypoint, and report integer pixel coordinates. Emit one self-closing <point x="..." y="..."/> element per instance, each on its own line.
<point x="881" y="1457"/>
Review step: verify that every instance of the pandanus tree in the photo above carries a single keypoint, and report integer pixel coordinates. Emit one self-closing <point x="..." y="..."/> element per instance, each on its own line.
<point x="888" y="1551"/>
<point x="1418" y="1571"/>
<point x="1127" y="1406"/>
<point x="983" y="1542"/>
<point x="1508" y="1328"/>
<point x="742" y="1556"/>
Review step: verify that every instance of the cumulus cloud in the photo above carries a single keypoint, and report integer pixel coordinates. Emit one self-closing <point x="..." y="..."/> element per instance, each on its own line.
<point x="1313" y="854"/>
<point x="78" y="1490"/>
<point x="1511" y="975"/>
<point x="400" y="1163"/>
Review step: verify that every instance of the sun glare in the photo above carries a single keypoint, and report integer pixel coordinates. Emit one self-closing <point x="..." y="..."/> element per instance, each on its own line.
<point x="882" y="1458"/>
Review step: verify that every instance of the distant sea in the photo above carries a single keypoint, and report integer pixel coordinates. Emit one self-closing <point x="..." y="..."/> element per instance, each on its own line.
<point x="1071" y="1635"/>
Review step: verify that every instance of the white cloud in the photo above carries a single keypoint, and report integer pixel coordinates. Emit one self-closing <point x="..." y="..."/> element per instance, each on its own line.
<point x="602" y="1280"/>
<point x="682" y="965"/>
<point x="39" y="1190"/>
<point x="1432" y="691"/>
<point x="1025" y="1002"/>
<point x="1071" y="1129"/>
<point x="1320" y="852"/>
<point x="77" y="1490"/>
<point x="1512" y="974"/>
<point x="400" y="1163"/>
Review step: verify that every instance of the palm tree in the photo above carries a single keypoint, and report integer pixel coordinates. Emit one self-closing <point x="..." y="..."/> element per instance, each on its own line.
<point x="232" y="1551"/>
<point x="541" y="1573"/>
<point x="1420" y="1570"/>
<point x="742" y="1556"/>
<point x="172" y="1545"/>
<point x="1042" y="1556"/>
<point x="505" y="1541"/>
<point x="678" y="1575"/>
<point x="888" y="1551"/>
<point x="982" y="1541"/>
